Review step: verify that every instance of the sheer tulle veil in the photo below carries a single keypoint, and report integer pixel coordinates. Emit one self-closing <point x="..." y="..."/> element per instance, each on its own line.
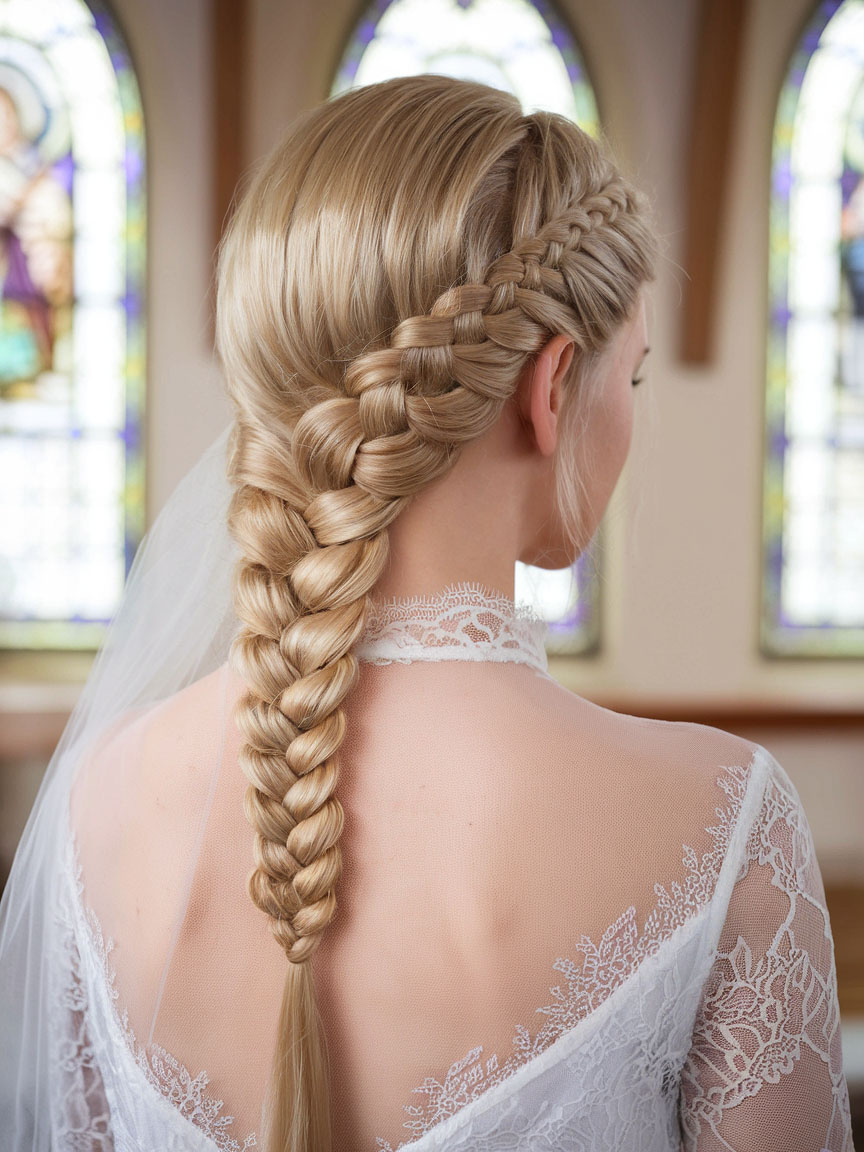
<point x="174" y="625"/>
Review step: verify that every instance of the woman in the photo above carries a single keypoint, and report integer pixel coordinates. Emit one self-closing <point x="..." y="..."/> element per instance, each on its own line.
<point x="558" y="926"/>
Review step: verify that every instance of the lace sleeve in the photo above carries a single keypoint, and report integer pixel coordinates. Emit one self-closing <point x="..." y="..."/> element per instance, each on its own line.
<point x="81" y="1116"/>
<point x="84" y="1114"/>
<point x="765" y="1066"/>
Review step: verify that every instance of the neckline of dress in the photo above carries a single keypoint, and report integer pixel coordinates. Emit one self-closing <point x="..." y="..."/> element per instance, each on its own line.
<point x="465" y="620"/>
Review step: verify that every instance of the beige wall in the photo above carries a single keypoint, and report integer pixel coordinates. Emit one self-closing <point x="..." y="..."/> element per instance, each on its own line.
<point x="682" y="547"/>
<point x="186" y="405"/>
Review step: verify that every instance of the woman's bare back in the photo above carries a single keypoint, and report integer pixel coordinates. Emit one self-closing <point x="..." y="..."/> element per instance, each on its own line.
<point x="493" y="822"/>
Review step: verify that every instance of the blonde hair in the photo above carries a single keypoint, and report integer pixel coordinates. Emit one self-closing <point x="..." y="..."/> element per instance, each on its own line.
<point x="390" y="269"/>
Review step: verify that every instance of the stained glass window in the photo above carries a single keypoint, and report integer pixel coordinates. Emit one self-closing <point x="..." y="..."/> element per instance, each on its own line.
<point x="523" y="47"/>
<point x="813" y="568"/>
<point x="71" y="321"/>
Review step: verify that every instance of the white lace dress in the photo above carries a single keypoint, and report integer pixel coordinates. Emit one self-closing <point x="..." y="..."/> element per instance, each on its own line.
<point x="690" y="984"/>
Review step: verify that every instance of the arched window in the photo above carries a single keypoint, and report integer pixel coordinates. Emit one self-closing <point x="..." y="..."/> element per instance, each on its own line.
<point x="813" y="561"/>
<point x="71" y="322"/>
<point x="524" y="47"/>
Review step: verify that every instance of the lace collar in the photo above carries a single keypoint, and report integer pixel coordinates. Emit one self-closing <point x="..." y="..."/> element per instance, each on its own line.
<point x="464" y="621"/>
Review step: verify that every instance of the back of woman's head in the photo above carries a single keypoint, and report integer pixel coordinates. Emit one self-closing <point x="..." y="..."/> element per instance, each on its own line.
<point x="391" y="268"/>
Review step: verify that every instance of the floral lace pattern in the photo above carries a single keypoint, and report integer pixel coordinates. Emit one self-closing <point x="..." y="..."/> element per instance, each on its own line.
<point x="466" y="621"/>
<point x="84" y="1096"/>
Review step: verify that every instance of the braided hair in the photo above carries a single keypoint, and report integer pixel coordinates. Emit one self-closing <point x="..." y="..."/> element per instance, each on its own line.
<point x="390" y="269"/>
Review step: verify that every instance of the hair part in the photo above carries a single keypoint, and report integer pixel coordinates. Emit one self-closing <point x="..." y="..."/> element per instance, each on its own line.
<point x="390" y="268"/>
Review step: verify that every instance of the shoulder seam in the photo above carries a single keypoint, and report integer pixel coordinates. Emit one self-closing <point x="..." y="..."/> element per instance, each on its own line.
<point x="757" y="774"/>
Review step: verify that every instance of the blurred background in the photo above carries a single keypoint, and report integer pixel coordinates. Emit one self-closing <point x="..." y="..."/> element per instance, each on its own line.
<point x="726" y="585"/>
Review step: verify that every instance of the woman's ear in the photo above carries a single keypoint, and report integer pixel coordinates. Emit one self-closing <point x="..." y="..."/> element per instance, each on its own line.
<point x="541" y="390"/>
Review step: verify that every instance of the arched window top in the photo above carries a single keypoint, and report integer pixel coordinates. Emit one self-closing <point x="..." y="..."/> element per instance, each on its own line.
<point x="813" y="570"/>
<point x="521" y="46"/>
<point x="71" y="321"/>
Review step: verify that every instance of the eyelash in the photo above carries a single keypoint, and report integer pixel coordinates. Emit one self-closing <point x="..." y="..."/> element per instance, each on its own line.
<point x="638" y="380"/>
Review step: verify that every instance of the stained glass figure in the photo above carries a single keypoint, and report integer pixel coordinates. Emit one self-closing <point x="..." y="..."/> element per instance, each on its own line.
<point x="71" y="322"/>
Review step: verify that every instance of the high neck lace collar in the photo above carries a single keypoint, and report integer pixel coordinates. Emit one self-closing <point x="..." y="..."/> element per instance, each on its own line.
<point x="464" y="621"/>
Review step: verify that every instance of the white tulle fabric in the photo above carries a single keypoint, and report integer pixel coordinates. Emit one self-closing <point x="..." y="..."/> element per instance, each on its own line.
<point x="559" y="927"/>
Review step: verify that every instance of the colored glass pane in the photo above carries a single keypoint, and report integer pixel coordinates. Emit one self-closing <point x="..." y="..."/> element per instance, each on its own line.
<point x="813" y="521"/>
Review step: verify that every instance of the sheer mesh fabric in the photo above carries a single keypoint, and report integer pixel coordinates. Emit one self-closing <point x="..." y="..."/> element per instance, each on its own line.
<point x="559" y="927"/>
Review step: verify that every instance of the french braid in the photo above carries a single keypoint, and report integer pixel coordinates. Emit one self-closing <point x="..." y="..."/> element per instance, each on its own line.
<point x="319" y="473"/>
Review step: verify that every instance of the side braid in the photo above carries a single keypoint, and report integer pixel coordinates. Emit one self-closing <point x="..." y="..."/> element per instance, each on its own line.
<point x="323" y="461"/>
<point x="302" y="588"/>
